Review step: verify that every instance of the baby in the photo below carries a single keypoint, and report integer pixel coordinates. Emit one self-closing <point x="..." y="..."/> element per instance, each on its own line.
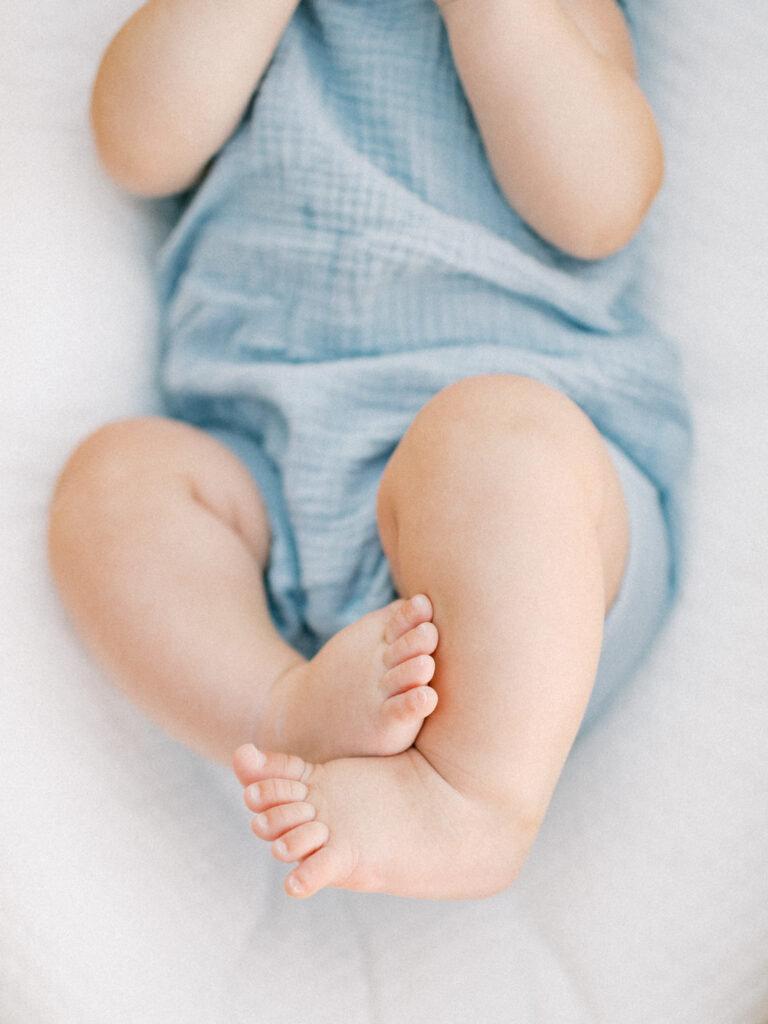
<point x="412" y="513"/>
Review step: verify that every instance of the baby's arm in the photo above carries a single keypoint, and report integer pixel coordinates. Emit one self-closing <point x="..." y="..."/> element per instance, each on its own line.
<point x="173" y="85"/>
<point x="569" y="134"/>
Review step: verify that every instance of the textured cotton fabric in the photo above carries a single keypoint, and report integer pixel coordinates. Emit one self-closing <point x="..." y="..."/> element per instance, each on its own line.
<point x="348" y="255"/>
<point x="131" y="886"/>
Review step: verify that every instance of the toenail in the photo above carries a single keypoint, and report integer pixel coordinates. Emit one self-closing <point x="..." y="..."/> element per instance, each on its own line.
<point x="294" y="885"/>
<point x="259" y="758"/>
<point x="280" y="848"/>
<point x="260" y="820"/>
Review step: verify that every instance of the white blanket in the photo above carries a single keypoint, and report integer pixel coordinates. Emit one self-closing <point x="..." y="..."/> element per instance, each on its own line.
<point x="130" y="886"/>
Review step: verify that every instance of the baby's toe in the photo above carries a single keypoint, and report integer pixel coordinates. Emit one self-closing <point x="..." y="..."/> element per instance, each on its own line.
<point x="272" y="824"/>
<point x="324" y="867"/>
<point x="414" y="672"/>
<point x="300" y="842"/>
<point x="406" y="615"/>
<point x="252" y="765"/>
<point x="247" y="763"/>
<point x="422" y="639"/>
<point x="260" y="796"/>
<point x="414" y="704"/>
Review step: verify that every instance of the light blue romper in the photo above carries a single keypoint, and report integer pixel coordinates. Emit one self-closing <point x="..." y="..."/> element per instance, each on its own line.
<point x="347" y="256"/>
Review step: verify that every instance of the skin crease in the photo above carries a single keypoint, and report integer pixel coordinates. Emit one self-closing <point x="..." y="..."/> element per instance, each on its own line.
<point x="437" y="711"/>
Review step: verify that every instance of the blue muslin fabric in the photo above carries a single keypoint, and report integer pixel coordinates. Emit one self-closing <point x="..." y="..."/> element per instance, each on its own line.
<point x="348" y="255"/>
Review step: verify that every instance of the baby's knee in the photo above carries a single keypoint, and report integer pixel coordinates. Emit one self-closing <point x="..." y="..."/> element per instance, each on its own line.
<point x="106" y="460"/>
<point x="127" y="474"/>
<point x="480" y="421"/>
<point x="494" y="431"/>
<point x="503" y="403"/>
<point x="98" y="485"/>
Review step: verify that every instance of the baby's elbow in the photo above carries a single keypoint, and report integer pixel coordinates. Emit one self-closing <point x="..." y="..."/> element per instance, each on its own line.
<point x="134" y="162"/>
<point x="599" y="238"/>
<point x="147" y="178"/>
<point x="606" y="236"/>
<point x="613" y="218"/>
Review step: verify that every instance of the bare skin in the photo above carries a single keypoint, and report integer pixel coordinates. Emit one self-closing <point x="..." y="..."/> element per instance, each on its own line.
<point x="374" y="824"/>
<point x="520" y="615"/>
<point x="142" y="495"/>
<point x="568" y="132"/>
<point x="509" y="466"/>
<point x="423" y="743"/>
<point x="365" y="692"/>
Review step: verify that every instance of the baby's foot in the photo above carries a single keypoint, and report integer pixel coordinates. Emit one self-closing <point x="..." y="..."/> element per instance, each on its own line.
<point x="379" y="824"/>
<point x="365" y="692"/>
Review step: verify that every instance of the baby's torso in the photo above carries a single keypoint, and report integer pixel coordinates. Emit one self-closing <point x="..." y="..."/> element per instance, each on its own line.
<point x="356" y="194"/>
<point x="352" y="225"/>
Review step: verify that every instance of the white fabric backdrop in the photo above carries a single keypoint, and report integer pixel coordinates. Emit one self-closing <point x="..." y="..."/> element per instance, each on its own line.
<point x="130" y="887"/>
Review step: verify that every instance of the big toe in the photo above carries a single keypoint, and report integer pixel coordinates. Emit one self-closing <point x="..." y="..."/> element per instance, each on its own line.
<point x="406" y="615"/>
<point x="252" y="765"/>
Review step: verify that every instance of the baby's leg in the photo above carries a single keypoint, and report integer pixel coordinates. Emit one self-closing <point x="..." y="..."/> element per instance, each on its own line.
<point x="528" y="492"/>
<point x="158" y="542"/>
<point x="503" y="505"/>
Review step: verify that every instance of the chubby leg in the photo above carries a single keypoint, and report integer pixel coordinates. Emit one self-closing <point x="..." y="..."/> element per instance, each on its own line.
<point x="521" y="538"/>
<point x="158" y="541"/>
<point x="502" y="504"/>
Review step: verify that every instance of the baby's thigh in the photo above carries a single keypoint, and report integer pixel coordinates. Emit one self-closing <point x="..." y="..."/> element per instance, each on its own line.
<point x="137" y="468"/>
<point x="511" y="439"/>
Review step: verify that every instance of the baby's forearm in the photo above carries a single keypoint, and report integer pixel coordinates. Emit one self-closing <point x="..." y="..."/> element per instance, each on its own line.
<point x="569" y="135"/>
<point x="174" y="83"/>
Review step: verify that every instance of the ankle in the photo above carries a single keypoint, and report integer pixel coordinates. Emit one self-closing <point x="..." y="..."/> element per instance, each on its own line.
<point x="274" y="719"/>
<point x="505" y="822"/>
